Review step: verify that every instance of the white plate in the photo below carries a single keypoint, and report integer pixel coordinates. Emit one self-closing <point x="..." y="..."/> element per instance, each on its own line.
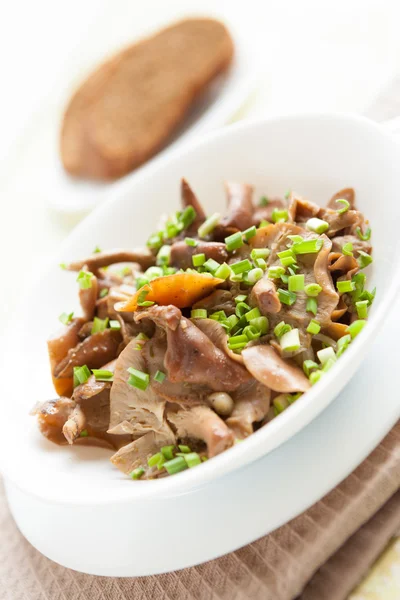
<point x="215" y="108"/>
<point x="61" y="485"/>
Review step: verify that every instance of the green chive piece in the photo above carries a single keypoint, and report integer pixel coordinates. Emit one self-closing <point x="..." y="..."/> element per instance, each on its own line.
<point x="208" y="225"/>
<point x="96" y="250"/>
<point x="346" y="205"/>
<point x="115" y="325"/>
<point x="85" y="280"/>
<point x="286" y="297"/>
<point x="308" y="366"/>
<point x="279" y="215"/>
<point x="81" y="375"/>
<point x="263" y="223"/>
<point x="254" y="313"/>
<point x="141" y="337"/>
<point x="307" y="246"/>
<point x="259" y="253"/>
<point x="231" y="321"/>
<point x="187" y="216"/>
<point x="250" y="232"/>
<point x="191" y="242"/>
<point x="102" y="374"/>
<point x="219" y="315"/>
<point x="312" y="306"/>
<point x="276" y="272"/>
<point x="223" y="271"/>
<point x="317" y="225"/>
<point x="362" y="309"/>
<point x="313" y="327"/>
<point x="369" y="296"/>
<point x="285" y="254"/>
<point x="155" y="241"/>
<point x="296" y="238"/>
<point x="296" y="283"/>
<point x="261" y="324"/>
<point x="241" y="309"/>
<point x="163" y="256"/>
<point x="342" y="344"/>
<point x="198" y="260"/>
<point x="252" y="333"/>
<point x="159" y="376"/>
<point x="281" y="329"/>
<point x="99" y="325"/>
<point x="255" y="275"/>
<point x="290" y="341"/>
<point x="356" y="327"/>
<point x="347" y="249"/>
<point x="184" y="449"/>
<point x="198" y="313"/>
<point x="328" y="365"/>
<point x="103" y="293"/>
<point x="313" y="289"/>
<point x="326" y="354"/>
<point x="153" y="460"/>
<point x="138" y="379"/>
<point x="211" y="265"/>
<point x="192" y="459"/>
<point x="260" y="263"/>
<point x="345" y="286"/>
<point x="84" y="433"/>
<point x="237" y="340"/>
<point x="234" y="241"/>
<point x="63" y="266"/>
<point x="171" y="230"/>
<point x="288" y="261"/>
<point x="140" y="282"/>
<point x="240" y="298"/>
<point x="66" y="318"/>
<point x="364" y="259"/>
<point x="168" y="452"/>
<point x="153" y="273"/>
<point x="287" y="194"/>
<point x="175" y="465"/>
<point x="281" y="403"/>
<point x="363" y="236"/>
<point x="263" y="201"/>
<point x="315" y="376"/>
<point x="137" y="473"/>
<point x="241" y="266"/>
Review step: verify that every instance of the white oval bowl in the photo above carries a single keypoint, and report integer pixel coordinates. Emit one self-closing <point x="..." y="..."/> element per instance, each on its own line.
<point x="314" y="154"/>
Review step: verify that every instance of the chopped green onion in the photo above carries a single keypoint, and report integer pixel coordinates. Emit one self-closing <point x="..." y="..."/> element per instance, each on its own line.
<point x="171" y="230"/>
<point x="328" y="364"/>
<point x="342" y="344"/>
<point x="208" y="225"/>
<point x="66" y="318"/>
<point x="315" y="376"/>
<point x="159" y="376"/>
<point x="85" y="280"/>
<point x="285" y="254"/>
<point x="347" y="249"/>
<point x="260" y="323"/>
<point x="241" y="309"/>
<point x="255" y="275"/>
<point x="240" y="298"/>
<point x="259" y="253"/>
<point x="138" y="379"/>
<point x="281" y="329"/>
<point x="369" y="296"/>
<point x="192" y="459"/>
<point x="175" y="465"/>
<point x="141" y="337"/>
<point x="281" y="402"/>
<point x="219" y="315"/>
<point x="296" y="283"/>
<point x="103" y="293"/>
<point x="288" y="261"/>
<point x="312" y="306"/>
<point x="81" y="375"/>
<point x="364" y="259"/>
<point x="290" y="341"/>
<point x="96" y="250"/>
<point x="154" y="460"/>
<point x="260" y="263"/>
<point x="345" y="286"/>
<point x="356" y="327"/>
<point x="307" y="246"/>
<point x="276" y="272"/>
<point x="137" y="473"/>
<point x="125" y="271"/>
<point x="223" y="271"/>
<point x="191" y="242"/>
<point x="252" y="333"/>
<point x="168" y="452"/>
<point x="296" y="238"/>
<point x="163" y="255"/>
<point x="313" y="327"/>
<point x="142" y="299"/>
<point x="211" y="265"/>
<point x="362" y="309"/>
<point x="154" y="272"/>
<point x="363" y="236"/>
<point x="237" y="339"/>
<point x="102" y="374"/>
<point x="231" y="321"/>
<point x="198" y="313"/>
<point x="279" y="215"/>
<point x="250" y="232"/>
<point x="326" y="354"/>
<point x="263" y="201"/>
<point x="237" y="278"/>
<point x="313" y="289"/>
<point x="317" y="225"/>
<point x="286" y="297"/>
<point x="346" y="205"/>
<point x="287" y="194"/>
<point x="63" y="266"/>
<point x="241" y="266"/>
<point x="253" y="314"/>
<point x="308" y="366"/>
<point x="263" y="223"/>
<point x="155" y="241"/>
<point x="140" y="282"/>
<point x="198" y="260"/>
<point x="184" y="449"/>
<point x="99" y="325"/>
<point x="115" y="325"/>
<point x="187" y="216"/>
<point x="234" y="241"/>
<point x="84" y="433"/>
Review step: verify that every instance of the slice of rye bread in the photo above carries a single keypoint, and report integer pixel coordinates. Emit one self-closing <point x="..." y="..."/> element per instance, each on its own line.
<point x="125" y="110"/>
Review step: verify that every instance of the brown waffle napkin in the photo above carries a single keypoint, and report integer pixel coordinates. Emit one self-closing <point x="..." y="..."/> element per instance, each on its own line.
<point x="321" y="555"/>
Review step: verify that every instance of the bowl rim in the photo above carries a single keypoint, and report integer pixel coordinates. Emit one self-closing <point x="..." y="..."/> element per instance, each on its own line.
<point x="222" y="464"/>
